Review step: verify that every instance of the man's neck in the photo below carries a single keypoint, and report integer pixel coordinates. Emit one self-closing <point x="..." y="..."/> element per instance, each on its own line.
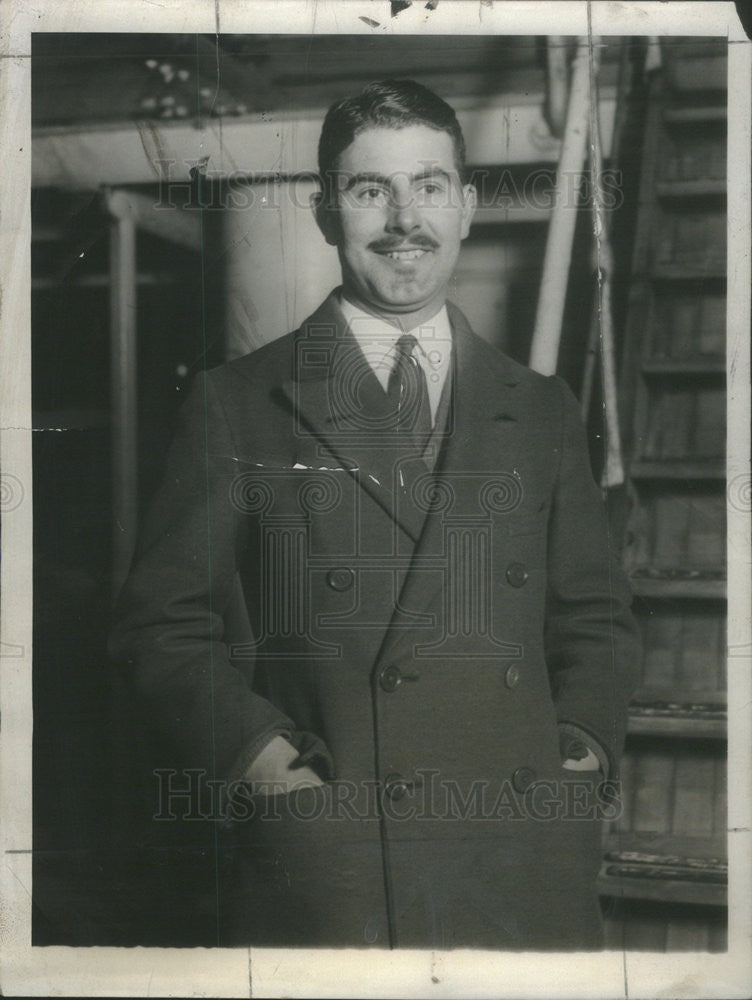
<point x="403" y="321"/>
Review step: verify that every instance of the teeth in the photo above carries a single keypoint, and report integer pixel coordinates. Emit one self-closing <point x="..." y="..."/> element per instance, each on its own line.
<point x="405" y="254"/>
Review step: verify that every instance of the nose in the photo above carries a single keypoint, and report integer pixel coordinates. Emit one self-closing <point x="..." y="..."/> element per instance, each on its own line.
<point x="403" y="216"/>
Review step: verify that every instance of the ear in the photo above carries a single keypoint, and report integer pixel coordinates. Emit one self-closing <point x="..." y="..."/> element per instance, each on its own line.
<point x="469" y="204"/>
<point x="326" y="217"/>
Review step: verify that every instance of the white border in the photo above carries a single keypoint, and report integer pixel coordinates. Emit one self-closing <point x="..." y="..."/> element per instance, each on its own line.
<point x="235" y="973"/>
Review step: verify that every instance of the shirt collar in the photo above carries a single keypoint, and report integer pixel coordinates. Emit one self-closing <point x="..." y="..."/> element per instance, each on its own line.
<point x="377" y="337"/>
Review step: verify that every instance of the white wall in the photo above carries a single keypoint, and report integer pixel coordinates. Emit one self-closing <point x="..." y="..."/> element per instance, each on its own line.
<point x="278" y="266"/>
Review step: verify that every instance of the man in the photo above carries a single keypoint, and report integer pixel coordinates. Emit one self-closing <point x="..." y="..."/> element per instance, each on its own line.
<point x="375" y="592"/>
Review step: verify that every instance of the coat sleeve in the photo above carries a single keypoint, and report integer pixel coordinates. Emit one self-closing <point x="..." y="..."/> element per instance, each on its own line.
<point x="591" y="638"/>
<point x="169" y="620"/>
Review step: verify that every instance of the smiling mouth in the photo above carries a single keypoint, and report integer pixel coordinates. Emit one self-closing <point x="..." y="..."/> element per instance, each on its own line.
<point x="404" y="254"/>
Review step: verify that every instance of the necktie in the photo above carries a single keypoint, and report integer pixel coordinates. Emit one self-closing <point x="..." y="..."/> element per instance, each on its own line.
<point x="408" y="393"/>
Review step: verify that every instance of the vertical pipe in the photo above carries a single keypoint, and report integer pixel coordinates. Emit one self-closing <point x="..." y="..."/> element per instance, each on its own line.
<point x="545" y="346"/>
<point x="123" y="394"/>
<point x="613" y="471"/>
<point x="557" y="82"/>
<point x="623" y="88"/>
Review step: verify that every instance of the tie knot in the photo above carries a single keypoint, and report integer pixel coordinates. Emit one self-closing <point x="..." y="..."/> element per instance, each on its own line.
<point x="405" y="345"/>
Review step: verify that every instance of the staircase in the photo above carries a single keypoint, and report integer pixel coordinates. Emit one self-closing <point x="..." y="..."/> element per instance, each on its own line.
<point x="665" y="856"/>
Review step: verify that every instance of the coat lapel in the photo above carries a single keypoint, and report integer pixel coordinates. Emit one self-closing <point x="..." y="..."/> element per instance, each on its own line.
<point x="337" y="398"/>
<point x="476" y="464"/>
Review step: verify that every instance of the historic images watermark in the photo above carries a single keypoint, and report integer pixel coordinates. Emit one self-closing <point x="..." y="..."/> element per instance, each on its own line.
<point x="11" y="492"/>
<point x="739" y="493"/>
<point x="191" y="795"/>
<point x="505" y="189"/>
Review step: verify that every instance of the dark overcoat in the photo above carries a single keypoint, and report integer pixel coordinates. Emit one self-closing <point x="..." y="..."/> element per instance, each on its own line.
<point x="422" y="635"/>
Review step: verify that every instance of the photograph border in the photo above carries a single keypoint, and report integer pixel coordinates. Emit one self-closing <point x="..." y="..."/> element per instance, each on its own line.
<point x="243" y="972"/>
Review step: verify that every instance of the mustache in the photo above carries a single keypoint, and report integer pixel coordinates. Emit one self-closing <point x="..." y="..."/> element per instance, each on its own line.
<point x="419" y="241"/>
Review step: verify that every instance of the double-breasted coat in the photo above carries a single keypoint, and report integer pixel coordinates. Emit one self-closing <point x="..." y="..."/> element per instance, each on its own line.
<point x="422" y="628"/>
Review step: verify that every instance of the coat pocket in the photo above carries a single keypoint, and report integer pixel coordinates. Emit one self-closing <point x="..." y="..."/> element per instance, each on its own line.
<point x="307" y="873"/>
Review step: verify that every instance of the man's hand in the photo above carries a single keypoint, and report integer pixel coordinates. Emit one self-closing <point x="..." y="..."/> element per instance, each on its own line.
<point x="588" y="763"/>
<point x="272" y="768"/>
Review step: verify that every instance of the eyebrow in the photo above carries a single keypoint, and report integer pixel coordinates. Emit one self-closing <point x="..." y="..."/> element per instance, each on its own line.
<point x="373" y="178"/>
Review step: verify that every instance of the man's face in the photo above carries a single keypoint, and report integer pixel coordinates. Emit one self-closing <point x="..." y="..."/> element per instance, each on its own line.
<point x="401" y="213"/>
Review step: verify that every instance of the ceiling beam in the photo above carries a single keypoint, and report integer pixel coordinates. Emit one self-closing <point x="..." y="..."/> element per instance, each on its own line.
<point x="508" y="131"/>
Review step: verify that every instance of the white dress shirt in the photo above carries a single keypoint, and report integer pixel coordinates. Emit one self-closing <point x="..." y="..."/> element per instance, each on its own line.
<point x="378" y="338"/>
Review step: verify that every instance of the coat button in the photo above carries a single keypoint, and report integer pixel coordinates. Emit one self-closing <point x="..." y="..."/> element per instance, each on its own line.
<point x="516" y="574"/>
<point x="396" y="787"/>
<point x="512" y="677"/>
<point x="390" y="678"/>
<point x="341" y="578"/>
<point x="523" y="778"/>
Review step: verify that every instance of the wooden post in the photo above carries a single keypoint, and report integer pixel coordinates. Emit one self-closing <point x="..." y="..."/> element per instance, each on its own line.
<point x="123" y="391"/>
<point x="545" y="346"/>
<point x="620" y="112"/>
<point x="613" y="471"/>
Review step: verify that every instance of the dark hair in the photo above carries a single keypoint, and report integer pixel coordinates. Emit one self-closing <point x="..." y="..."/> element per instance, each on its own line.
<point x="385" y="104"/>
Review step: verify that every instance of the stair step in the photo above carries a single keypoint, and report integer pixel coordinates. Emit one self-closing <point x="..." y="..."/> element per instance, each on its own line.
<point x="665" y="846"/>
<point x="714" y="699"/>
<point x="678" y="468"/>
<point x="703" y="188"/>
<point x="695" y="115"/>
<point x="713" y="271"/>
<point x="698" y="721"/>
<point x="689" y="69"/>
<point x="709" y="364"/>
<point x="707" y="869"/>
<point x="658" y="884"/>
<point x="710" y="586"/>
<point x="664" y="866"/>
<point x="678" y="709"/>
